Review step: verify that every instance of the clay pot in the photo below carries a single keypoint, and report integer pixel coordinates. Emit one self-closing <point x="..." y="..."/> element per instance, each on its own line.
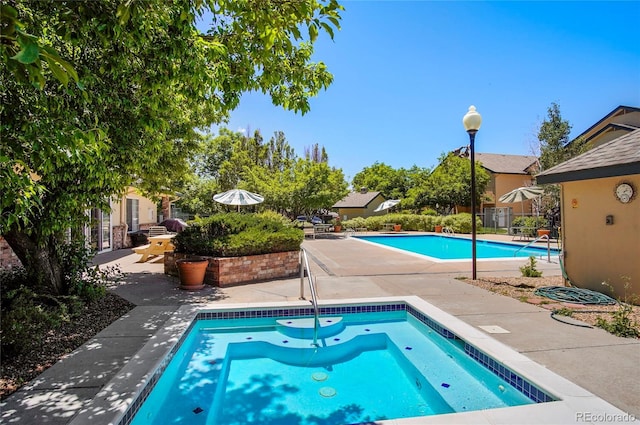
<point x="543" y="232"/>
<point x="438" y="229"/>
<point x="397" y="227"/>
<point x="191" y="272"/>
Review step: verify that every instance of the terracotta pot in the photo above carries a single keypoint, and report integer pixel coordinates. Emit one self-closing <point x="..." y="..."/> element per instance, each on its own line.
<point x="397" y="227"/>
<point x="337" y="228"/>
<point x="438" y="229"/>
<point x="191" y="273"/>
<point x="543" y="232"/>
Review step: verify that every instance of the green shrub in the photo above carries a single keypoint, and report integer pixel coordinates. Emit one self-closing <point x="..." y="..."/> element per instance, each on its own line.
<point x="621" y="323"/>
<point x="235" y="234"/>
<point x="24" y="320"/>
<point x="529" y="270"/>
<point x="82" y="279"/>
<point x="354" y="223"/>
<point x="25" y="316"/>
<point x="533" y="223"/>
<point x="28" y="312"/>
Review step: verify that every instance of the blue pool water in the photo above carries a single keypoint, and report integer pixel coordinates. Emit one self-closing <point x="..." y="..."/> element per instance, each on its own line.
<point x="388" y="362"/>
<point x="452" y="248"/>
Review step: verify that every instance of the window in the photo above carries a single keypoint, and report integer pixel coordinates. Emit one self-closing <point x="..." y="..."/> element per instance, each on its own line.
<point x="133" y="221"/>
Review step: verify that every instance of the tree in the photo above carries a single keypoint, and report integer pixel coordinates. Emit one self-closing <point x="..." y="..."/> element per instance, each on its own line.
<point x="449" y="185"/>
<point x="304" y="187"/>
<point x="555" y="147"/>
<point x="316" y="153"/>
<point x="147" y="80"/>
<point x="289" y="184"/>
<point x="391" y="183"/>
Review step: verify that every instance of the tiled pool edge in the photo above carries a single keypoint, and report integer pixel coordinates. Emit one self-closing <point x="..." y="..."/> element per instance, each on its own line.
<point x="120" y="394"/>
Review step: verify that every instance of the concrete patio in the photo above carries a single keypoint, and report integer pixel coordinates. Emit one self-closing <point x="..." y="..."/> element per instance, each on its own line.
<point x="603" y="364"/>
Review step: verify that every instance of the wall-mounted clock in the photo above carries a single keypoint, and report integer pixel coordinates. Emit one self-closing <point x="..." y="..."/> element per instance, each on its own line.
<point x="625" y="192"/>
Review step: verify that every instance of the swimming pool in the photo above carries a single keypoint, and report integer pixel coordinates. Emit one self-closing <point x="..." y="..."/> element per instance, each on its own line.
<point x="384" y="343"/>
<point x="439" y="248"/>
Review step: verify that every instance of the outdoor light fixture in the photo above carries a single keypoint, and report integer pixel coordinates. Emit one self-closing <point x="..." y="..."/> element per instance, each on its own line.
<point x="472" y="121"/>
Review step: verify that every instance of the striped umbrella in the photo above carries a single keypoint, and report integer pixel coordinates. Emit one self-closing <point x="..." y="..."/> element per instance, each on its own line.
<point x="520" y="194"/>
<point x="238" y="197"/>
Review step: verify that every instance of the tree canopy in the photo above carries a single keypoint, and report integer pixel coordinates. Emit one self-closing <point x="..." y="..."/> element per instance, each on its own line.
<point x="147" y="80"/>
<point x="290" y="184"/>
<point x="449" y="184"/>
<point x="556" y="148"/>
<point x="390" y="182"/>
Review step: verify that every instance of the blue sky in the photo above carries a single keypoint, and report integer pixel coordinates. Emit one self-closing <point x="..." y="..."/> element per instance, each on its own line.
<point x="405" y="73"/>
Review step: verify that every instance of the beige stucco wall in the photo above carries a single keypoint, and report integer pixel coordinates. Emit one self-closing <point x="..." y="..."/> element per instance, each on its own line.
<point x="594" y="251"/>
<point x="505" y="183"/>
<point x="147" y="209"/>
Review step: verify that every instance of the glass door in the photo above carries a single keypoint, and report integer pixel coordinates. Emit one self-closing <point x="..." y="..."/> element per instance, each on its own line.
<point x="100" y="230"/>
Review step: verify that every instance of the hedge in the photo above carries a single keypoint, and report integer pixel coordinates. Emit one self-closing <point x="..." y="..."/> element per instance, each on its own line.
<point x="459" y="223"/>
<point x="236" y="234"/>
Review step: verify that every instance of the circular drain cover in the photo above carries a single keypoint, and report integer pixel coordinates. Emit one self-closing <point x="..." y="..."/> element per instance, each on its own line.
<point x="320" y="376"/>
<point x="327" y="392"/>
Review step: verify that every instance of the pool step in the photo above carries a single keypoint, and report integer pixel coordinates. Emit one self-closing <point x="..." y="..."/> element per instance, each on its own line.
<point x="303" y="328"/>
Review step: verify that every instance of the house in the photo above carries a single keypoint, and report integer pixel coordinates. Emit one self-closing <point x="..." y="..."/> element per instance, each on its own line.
<point x="600" y="206"/>
<point x="109" y="231"/>
<point x="130" y="213"/>
<point x="358" y="204"/>
<point x="622" y="120"/>
<point x="507" y="172"/>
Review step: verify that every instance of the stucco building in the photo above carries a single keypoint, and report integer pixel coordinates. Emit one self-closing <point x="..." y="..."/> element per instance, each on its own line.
<point x="600" y="229"/>
<point x="109" y="231"/>
<point x="358" y="204"/>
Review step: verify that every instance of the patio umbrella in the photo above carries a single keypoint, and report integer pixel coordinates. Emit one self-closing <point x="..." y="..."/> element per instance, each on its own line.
<point x="238" y="197"/>
<point x="387" y="204"/>
<point x="520" y="194"/>
<point x="174" y="224"/>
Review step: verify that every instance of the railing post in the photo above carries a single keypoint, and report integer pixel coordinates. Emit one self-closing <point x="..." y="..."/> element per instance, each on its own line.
<point x="302" y="266"/>
<point x="548" y="249"/>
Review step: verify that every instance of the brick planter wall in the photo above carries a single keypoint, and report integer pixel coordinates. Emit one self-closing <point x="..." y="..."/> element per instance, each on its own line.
<point x="226" y="271"/>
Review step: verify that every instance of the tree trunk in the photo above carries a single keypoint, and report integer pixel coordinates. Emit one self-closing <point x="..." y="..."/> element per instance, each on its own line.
<point x="40" y="261"/>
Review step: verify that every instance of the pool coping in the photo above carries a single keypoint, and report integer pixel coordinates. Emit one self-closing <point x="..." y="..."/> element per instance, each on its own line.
<point x="112" y="402"/>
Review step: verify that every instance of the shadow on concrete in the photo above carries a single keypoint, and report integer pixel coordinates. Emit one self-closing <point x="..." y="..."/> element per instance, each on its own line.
<point x="159" y="289"/>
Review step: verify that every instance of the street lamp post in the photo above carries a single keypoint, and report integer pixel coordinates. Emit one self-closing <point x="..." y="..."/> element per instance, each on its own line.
<point x="472" y="121"/>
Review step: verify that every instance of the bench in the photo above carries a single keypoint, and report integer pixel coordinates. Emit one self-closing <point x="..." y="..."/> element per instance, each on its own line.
<point x="158" y="245"/>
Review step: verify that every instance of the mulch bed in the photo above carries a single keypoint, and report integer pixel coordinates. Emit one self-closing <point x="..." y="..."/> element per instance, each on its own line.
<point x="20" y="369"/>
<point x="522" y="288"/>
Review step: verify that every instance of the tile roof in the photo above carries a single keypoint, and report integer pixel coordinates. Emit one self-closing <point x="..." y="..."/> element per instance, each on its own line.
<point x="506" y="164"/>
<point x="619" y="157"/>
<point x="356" y="200"/>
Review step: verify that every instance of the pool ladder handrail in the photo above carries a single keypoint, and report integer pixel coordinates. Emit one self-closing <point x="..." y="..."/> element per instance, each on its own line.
<point x="539" y="238"/>
<point x="304" y="266"/>
<point x="448" y="231"/>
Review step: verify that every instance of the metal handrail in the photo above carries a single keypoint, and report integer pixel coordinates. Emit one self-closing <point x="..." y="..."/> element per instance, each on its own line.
<point x="539" y="238"/>
<point x="448" y="231"/>
<point x="304" y="265"/>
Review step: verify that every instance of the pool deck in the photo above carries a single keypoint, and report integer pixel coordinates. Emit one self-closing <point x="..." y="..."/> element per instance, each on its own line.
<point x="604" y="365"/>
